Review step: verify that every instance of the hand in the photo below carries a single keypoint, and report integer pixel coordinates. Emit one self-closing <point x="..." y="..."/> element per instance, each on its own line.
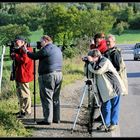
<point x="90" y="58"/>
<point x="13" y="55"/>
<point x="24" y="48"/>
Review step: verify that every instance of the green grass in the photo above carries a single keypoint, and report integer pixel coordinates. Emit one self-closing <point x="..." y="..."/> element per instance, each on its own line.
<point x="128" y="37"/>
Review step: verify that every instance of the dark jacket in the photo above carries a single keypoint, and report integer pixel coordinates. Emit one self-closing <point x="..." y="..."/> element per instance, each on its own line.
<point x="114" y="56"/>
<point x="50" y="59"/>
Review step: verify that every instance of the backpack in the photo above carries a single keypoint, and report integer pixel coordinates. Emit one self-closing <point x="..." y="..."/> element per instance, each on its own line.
<point x="122" y="72"/>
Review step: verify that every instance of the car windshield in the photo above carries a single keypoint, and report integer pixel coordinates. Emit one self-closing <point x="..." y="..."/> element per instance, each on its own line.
<point x="137" y="46"/>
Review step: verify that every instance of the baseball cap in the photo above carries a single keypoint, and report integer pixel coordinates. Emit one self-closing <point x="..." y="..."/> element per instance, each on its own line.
<point x="20" y="38"/>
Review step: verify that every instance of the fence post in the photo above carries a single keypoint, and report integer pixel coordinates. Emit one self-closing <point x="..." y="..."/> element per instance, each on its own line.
<point x="1" y="65"/>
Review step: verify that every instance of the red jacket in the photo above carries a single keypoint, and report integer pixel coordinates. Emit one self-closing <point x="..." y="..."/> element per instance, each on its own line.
<point x="102" y="47"/>
<point x="24" y="67"/>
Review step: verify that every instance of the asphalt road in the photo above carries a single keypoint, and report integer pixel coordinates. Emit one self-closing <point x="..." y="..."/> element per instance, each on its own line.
<point x="130" y="104"/>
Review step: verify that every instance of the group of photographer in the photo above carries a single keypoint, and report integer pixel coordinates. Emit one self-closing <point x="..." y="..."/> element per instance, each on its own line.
<point x="50" y="77"/>
<point x="104" y="62"/>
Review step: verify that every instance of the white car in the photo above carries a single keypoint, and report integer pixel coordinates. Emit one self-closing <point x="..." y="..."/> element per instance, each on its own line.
<point x="137" y="51"/>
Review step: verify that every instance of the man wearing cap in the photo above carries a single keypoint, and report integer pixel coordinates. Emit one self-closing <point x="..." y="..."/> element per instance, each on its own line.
<point x="24" y="75"/>
<point x="50" y="78"/>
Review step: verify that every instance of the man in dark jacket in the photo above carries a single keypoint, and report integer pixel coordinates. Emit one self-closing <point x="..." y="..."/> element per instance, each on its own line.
<point x="23" y="75"/>
<point x="50" y="78"/>
<point x="115" y="57"/>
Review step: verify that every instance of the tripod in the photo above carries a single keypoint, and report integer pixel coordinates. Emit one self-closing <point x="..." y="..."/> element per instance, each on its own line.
<point x="89" y="86"/>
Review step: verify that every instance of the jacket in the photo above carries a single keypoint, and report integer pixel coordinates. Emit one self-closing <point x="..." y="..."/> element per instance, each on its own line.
<point x="24" y="67"/>
<point x="114" y="55"/>
<point x="50" y="59"/>
<point x="102" y="46"/>
<point x="107" y="79"/>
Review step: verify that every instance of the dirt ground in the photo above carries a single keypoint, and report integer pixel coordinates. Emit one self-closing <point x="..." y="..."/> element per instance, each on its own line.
<point x="70" y="101"/>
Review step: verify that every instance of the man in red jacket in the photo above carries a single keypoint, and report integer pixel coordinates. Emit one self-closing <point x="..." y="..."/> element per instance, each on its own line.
<point x="24" y="75"/>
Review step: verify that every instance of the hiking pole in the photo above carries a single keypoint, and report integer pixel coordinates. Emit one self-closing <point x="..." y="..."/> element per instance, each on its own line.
<point x="34" y="49"/>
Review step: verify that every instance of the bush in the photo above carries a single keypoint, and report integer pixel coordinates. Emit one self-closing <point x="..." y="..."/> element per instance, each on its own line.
<point x="70" y="52"/>
<point x="120" y="27"/>
<point x="135" y="23"/>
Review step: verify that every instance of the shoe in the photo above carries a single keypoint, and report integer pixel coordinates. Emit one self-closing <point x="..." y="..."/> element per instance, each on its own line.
<point x="112" y="127"/>
<point x="21" y="116"/>
<point x="19" y="113"/>
<point x="98" y="119"/>
<point x="27" y="115"/>
<point x="56" y="121"/>
<point x="102" y="127"/>
<point x="44" y="123"/>
<point x="24" y="115"/>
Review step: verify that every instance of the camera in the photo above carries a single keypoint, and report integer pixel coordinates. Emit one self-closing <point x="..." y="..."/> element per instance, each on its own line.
<point x="12" y="47"/>
<point x="85" y="59"/>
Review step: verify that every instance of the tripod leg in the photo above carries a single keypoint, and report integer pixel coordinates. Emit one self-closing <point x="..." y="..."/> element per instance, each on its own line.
<point x="79" y="107"/>
<point x="91" y="102"/>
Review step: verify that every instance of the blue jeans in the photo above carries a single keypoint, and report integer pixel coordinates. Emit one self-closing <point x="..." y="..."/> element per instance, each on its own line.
<point x="110" y="111"/>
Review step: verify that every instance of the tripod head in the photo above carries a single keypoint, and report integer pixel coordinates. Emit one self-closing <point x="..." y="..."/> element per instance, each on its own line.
<point x="89" y="82"/>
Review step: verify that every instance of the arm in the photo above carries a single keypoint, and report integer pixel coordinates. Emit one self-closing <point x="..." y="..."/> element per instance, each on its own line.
<point x="102" y="67"/>
<point x="38" y="55"/>
<point x="21" y="57"/>
<point x="116" y="61"/>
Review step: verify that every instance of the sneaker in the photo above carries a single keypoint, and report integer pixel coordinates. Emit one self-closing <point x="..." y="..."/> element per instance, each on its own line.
<point x="27" y="115"/>
<point x="112" y="127"/>
<point x="101" y="127"/>
<point x="98" y="119"/>
<point x="21" y="116"/>
<point x="43" y="123"/>
<point x="19" y="113"/>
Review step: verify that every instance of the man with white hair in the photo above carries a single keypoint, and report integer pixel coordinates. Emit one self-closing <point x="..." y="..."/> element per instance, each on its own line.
<point x="113" y="53"/>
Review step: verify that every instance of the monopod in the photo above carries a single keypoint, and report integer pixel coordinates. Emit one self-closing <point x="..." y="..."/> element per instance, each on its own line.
<point x="34" y="49"/>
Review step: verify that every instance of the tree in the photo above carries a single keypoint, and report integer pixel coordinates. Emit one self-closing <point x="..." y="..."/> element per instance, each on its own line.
<point x="30" y="14"/>
<point x="9" y="32"/>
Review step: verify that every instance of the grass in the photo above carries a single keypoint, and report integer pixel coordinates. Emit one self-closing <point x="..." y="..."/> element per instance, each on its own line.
<point x="128" y="37"/>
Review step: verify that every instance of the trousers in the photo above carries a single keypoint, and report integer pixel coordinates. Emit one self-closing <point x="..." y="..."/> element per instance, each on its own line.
<point x="50" y="86"/>
<point x="110" y="111"/>
<point x="24" y="97"/>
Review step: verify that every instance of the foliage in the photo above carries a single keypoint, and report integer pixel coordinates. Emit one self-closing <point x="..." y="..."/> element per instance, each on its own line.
<point x="9" y="32"/>
<point x="121" y="27"/>
<point x="135" y="22"/>
<point x="9" y="125"/>
<point x="70" y="52"/>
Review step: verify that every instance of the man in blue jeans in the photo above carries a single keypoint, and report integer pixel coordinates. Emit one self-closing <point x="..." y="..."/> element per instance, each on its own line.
<point x="112" y="105"/>
<point x="110" y="87"/>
